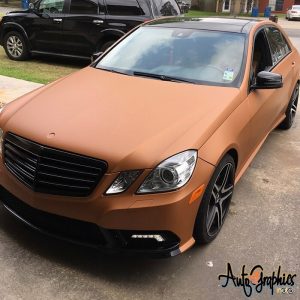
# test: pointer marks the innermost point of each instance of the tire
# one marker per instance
(291, 110)
(106, 45)
(215, 202)
(15, 46)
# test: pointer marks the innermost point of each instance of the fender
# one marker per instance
(19, 27)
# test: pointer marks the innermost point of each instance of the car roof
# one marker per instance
(217, 24)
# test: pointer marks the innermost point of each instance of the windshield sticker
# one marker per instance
(228, 74)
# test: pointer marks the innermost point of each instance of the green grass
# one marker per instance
(198, 13)
(16, 4)
(41, 70)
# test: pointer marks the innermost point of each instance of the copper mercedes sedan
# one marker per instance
(140, 151)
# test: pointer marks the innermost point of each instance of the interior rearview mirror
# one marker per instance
(267, 80)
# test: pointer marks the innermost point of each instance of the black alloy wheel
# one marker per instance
(215, 202)
(291, 110)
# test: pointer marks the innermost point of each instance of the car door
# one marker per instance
(45, 32)
(82, 26)
(266, 106)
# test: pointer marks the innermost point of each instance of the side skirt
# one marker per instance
(60, 54)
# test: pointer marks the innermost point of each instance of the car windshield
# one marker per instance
(296, 7)
(196, 56)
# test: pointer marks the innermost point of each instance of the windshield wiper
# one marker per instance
(114, 71)
(162, 77)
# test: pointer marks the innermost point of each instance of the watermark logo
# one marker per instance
(255, 281)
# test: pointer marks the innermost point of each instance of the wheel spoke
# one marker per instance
(225, 179)
(227, 193)
(211, 218)
(215, 191)
(294, 107)
(219, 214)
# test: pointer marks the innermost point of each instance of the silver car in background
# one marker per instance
(293, 12)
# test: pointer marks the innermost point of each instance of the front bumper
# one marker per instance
(88, 234)
(108, 222)
(295, 16)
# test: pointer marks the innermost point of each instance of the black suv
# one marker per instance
(76, 28)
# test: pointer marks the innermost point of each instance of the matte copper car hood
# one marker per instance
(131, 122)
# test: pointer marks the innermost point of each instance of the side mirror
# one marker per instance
(267, 80)
(36, 12)
(31, 6)
(95, 56)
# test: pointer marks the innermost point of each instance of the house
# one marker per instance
(277, 6)
(230, 6)
(243, 6)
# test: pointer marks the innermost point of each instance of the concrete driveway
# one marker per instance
(262, 228)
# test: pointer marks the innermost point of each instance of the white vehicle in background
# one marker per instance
(293, 12)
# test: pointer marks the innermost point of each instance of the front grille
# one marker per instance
(51, 171)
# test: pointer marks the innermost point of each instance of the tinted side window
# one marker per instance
(51, 6)
(167, 7)
(84, 7)
(144, 7)
(123, 8)
(261, 57)
(278, 44)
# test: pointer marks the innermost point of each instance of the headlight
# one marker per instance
(171, 174)
(123, 182)
(1, 140)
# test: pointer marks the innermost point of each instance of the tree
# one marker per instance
(219, 5)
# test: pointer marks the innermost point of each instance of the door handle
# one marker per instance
(57, 20)
(98, 22)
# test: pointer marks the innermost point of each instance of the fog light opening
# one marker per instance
(156, 237)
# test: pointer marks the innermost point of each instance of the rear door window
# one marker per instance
(166, 8)
(86, 7)
(124, 8)
(278, 44)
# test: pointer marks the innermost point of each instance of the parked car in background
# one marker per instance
(140, 151)
(76, 28)
(293, 12)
